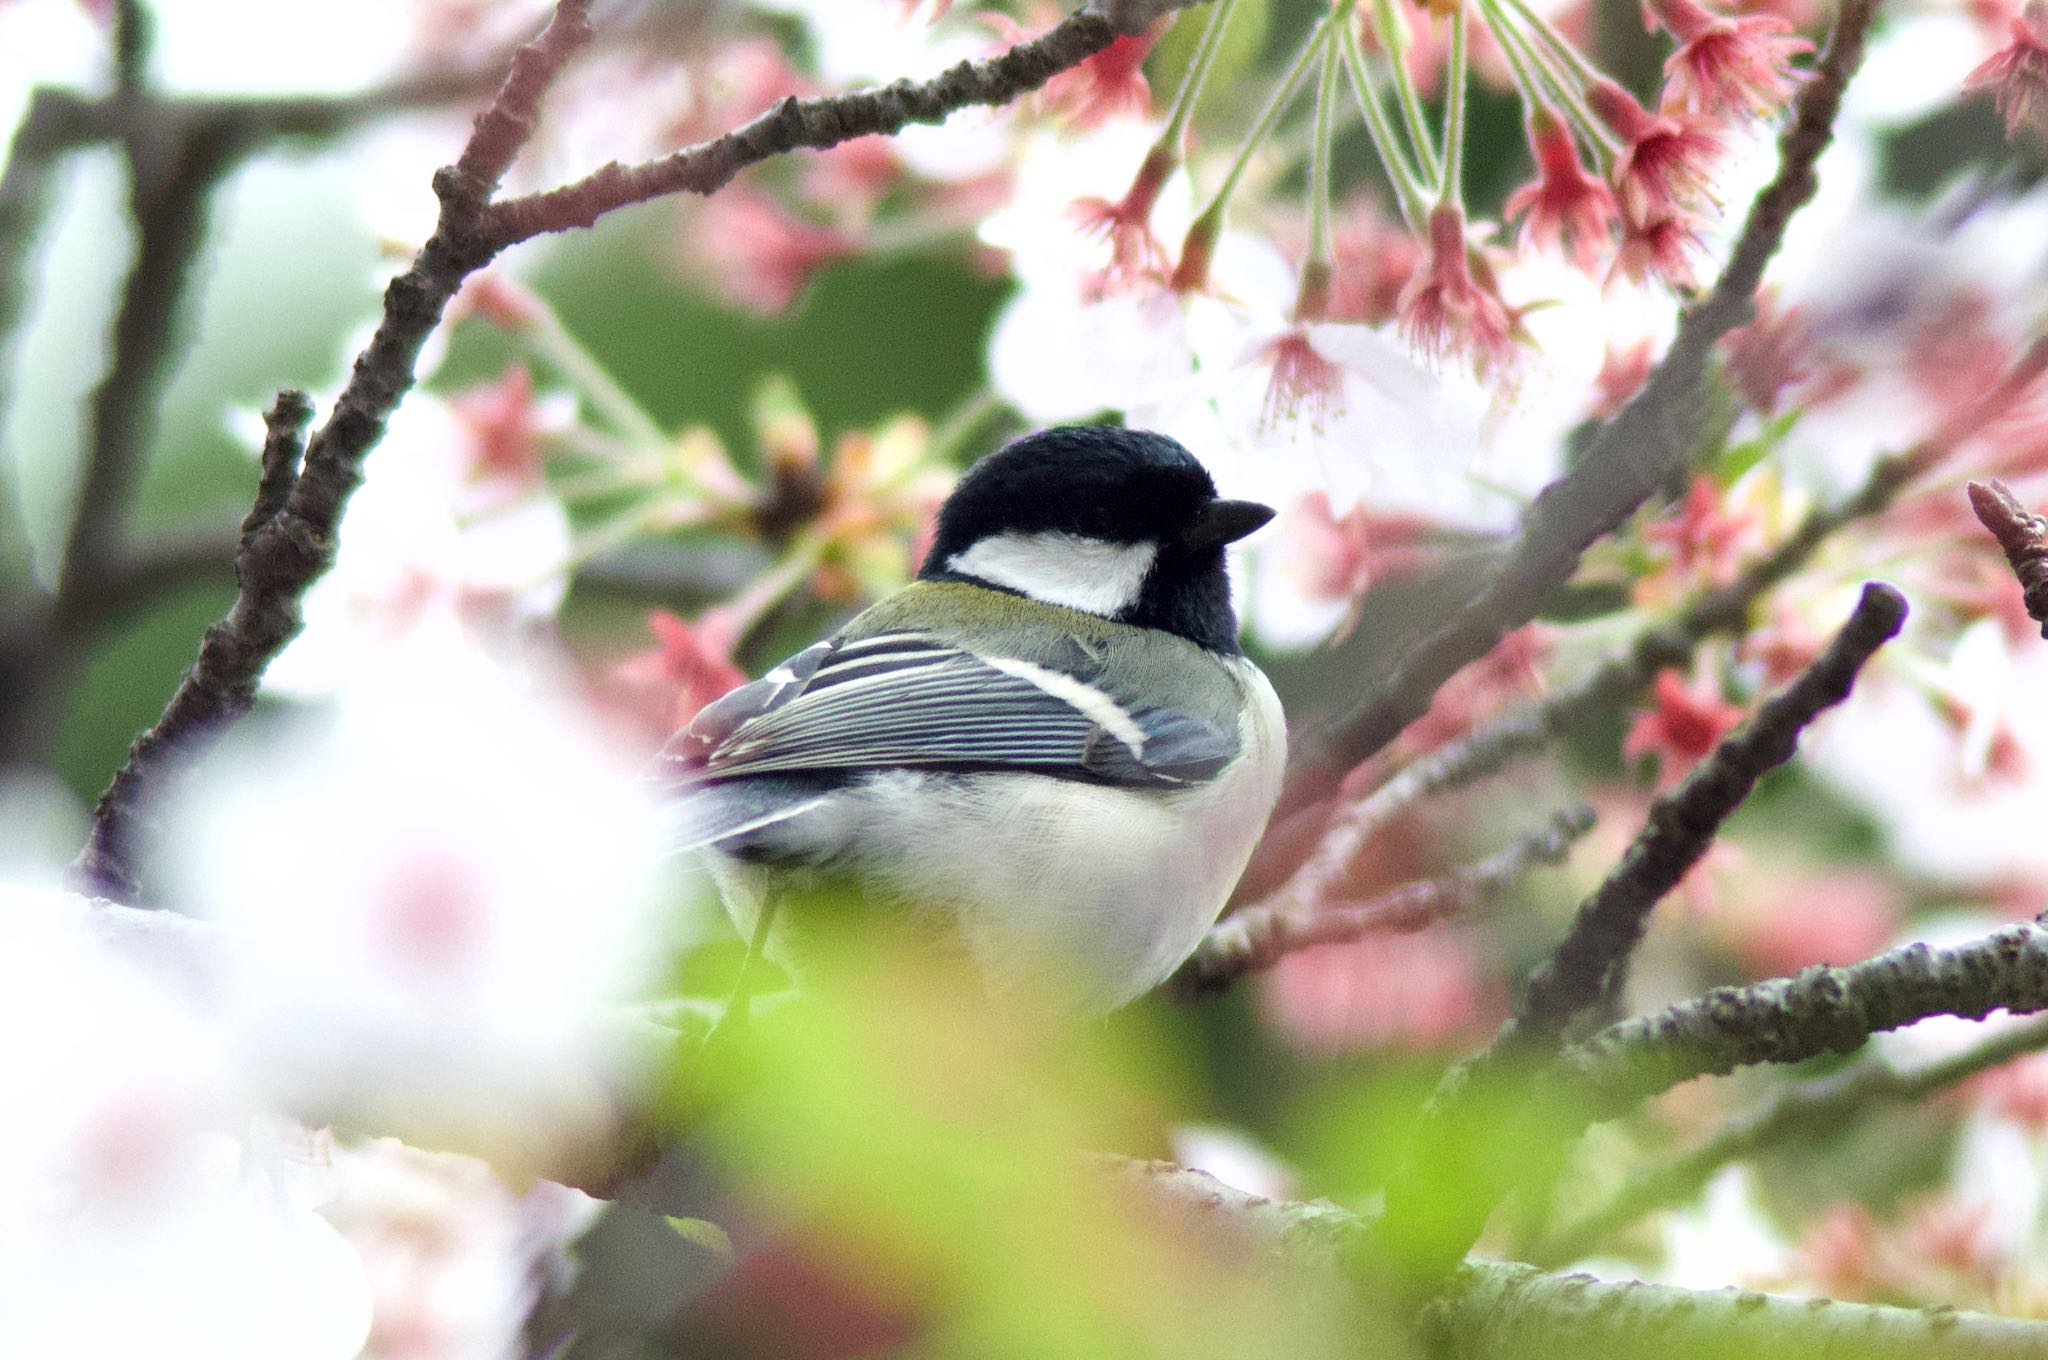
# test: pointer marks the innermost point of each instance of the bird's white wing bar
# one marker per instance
(908, 700)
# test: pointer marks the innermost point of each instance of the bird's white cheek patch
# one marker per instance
(1090, 574)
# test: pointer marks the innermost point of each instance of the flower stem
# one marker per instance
(1560, 46)
(1393, 34)
(1173, 138)
(1209, 222)
(1319, 160)
(550, 340)
(1411, 191)
(1451, 193)
(1540, 85)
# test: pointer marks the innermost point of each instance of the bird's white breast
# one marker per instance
(1105, 889)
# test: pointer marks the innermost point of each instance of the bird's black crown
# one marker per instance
(1117, 485)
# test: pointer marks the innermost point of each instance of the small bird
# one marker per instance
(1050, 742)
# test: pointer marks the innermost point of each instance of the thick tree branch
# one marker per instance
(1591, 960)
(2023, 536)
(1816, 1109)
(1256, 938)
(1630, 457)
(1494, 1310)
(1820, 1010)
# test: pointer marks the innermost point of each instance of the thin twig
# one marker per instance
(1812, 1110)
(2023, 536)
(1630, 457)
(1256, 938)
(1590, 961)
(822, 122)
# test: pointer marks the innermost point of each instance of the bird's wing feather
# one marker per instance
(912, 700)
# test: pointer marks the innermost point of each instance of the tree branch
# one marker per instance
(297, 544)
(1491, 745)
(1628, 459)
(1820, 1010)
(1256, 938)
(822, 122)
(1816, 1109)
(1494, 1310)
(2023, 536)
(1430, 1234)
(1591, 960)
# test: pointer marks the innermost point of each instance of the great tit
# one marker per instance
(1049, 746)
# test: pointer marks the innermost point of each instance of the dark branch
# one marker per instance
(284, 430)
(815, 123)
(1256, 938)
(2023, 536)
(1629, 458)
(1814, 1110)
(1591, 960)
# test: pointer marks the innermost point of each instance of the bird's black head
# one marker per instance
(1122, 523)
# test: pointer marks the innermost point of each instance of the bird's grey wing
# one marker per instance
(909, 700)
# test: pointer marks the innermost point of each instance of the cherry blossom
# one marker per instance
(152, 1207)
(453, 972)
(452, 532)
(1666, 162)
(1566, 207)
(1728, 63)
(1682, 725)
(2017, 75)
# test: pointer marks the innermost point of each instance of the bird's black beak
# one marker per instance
(1221, 522)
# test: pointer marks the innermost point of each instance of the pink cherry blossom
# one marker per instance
(1666, 159)
(2017, 75)
(1446, 308)
(1727, 64)
(1566, 206)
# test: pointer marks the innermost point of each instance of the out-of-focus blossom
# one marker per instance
(1704, 544)
(1769, 356)
(1110, 84)
(1233, 1157)
(1404, 991)
(760, 254)
(2017, 75)
(452, 532)
(688, 666)
(1682, 724)
(1623, 371)
(434, 898)
(1781, 924)
(150, 1210)
(1724, 1237)
(1932, 783)
(454, 1258)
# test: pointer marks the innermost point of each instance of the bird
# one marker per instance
(1049, 747)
